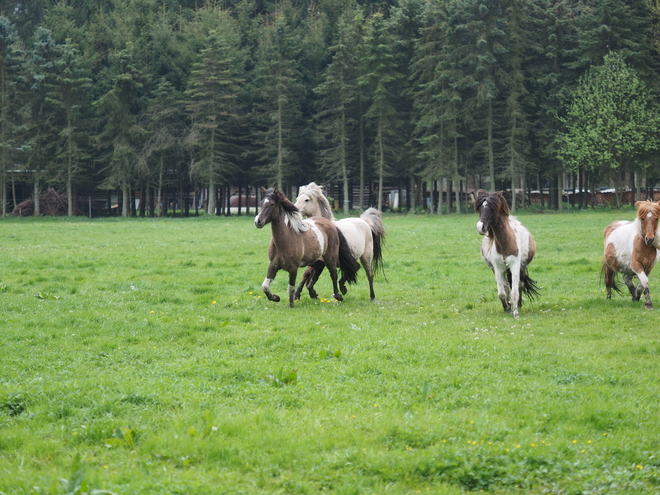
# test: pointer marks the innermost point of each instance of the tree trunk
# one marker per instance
(37, 194)
(491, 156)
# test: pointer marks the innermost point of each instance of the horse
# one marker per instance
(295, 242)
(630, 249)
(507, 248)
(365, 235)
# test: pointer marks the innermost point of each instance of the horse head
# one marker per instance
(275, 205)
(269, 210)
(492, 208)
(312, 202)
(648, 213)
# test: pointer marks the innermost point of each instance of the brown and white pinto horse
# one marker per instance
(630, 250)
(507, 249)
(365, 235)
(295, 243)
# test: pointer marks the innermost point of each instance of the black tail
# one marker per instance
(372, 217)
(347, 264)
(527, 285)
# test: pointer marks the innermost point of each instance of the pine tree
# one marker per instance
(121, 134)
(214, 88)
(166, 126)
(337, 97)
(280, 95)
(380, 80)
(69, 96)
(10, 61)
(39, 134)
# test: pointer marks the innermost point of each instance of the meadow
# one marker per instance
(140, 356)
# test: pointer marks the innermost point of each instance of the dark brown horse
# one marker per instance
(630, 250)
(507, 248)
(296, 243)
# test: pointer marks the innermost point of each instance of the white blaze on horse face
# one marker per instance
(319, 234)
(480, 224)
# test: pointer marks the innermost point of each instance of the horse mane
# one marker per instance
(313, 190)
(500, 199)
(646, 207)
(292, 216)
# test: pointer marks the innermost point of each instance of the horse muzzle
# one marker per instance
(481, 228)
(649, 241)
(258, 223)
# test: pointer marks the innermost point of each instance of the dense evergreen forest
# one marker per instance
(140, 96)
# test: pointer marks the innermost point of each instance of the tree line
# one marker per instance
(145, 95)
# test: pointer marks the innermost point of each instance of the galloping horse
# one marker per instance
(629, 249)
(507, 249)
(365, 235)
(295, 242)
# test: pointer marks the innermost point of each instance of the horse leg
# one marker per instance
(270, 276)
(644, 283)
(609, 280)
(503, 289)
(332, 268)
(366, 264)
(636, 292)
(317, 268)
(515, 289)
(292, 285)
(307, 276)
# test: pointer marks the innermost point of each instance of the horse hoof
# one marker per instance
(275, 298)
(296, 296)
(648, 307)
(313, 294)
(338, 297)
(343, 289)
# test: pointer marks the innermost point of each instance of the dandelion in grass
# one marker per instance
(214, 302)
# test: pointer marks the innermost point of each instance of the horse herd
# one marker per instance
(318, 242)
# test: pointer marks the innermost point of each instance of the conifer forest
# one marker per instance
(139, 97)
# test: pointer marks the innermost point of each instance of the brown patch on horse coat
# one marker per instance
(609, 257)
(643, 257)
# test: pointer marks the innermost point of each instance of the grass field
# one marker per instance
(140, 357)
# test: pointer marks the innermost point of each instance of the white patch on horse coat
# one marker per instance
(319, 234)
(484, 204)
(267, 282)
(623, 237)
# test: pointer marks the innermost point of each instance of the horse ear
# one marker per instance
(263, 190)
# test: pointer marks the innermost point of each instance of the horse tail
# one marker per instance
(529, 287)
(347, 264)
(372, 217)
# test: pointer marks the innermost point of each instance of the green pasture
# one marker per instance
(140, 357)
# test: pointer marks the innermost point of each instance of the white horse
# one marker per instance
(365, 235)
(507, 248)
(630, 248)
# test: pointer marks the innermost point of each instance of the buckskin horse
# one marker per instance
(507, 249)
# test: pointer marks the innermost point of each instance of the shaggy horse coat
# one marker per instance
(365, 235)
(630, 250)
(296, 243)
(507, 249)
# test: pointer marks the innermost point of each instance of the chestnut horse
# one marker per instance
(365, 235)
(630, 250)
(507, 248)
(295, 243)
